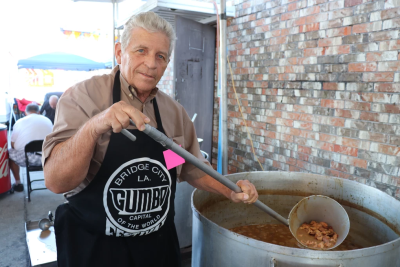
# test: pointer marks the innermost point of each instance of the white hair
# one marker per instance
(53, 97)
(151, 22)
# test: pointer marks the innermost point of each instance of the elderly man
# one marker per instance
(49, 108)
(120, 194)
(32, 127)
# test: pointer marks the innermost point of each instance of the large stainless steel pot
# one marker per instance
(374, 220)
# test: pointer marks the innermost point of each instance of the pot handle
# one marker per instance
(274, 263)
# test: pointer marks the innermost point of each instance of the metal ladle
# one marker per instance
(296, 211)
(45, 223)
(321, 209)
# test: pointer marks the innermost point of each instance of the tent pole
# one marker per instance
(224, 91)
(113, 34)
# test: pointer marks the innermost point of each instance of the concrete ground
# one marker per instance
(15, 210)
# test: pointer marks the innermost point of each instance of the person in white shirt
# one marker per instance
(32, 127)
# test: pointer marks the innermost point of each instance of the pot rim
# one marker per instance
(296, 252)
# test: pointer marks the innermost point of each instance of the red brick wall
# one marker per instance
(319, 82)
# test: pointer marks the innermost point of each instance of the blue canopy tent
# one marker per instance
(61, 61)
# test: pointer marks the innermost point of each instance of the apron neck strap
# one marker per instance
(117, 88)
(158, 117)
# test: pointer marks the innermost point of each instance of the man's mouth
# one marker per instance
(146, 75)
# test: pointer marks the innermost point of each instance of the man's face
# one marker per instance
(144, 60)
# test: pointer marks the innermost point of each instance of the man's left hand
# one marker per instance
(249, 194)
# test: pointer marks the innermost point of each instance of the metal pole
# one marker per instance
(224, 91)
(113, 34)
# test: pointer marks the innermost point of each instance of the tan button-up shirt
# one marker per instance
(86, 99)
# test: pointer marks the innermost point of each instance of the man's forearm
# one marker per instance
(69, 161)
(209, 184)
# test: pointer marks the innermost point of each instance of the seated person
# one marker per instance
(32, 127)
(20, 106)
(49, 108)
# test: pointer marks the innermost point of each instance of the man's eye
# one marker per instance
(141, 50)
(161, 57)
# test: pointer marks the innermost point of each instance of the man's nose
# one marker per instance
(150, 61)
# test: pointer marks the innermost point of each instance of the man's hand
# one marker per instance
(207, 183)
(116, 118)
(69, 161)
(249, 194)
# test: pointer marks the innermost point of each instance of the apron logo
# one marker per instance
(136, 198)
(127, 200)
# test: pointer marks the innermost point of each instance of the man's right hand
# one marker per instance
(69, 161)
(116, 118)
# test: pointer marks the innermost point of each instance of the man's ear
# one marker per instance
(118, 52)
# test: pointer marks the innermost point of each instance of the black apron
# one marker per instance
(125, 216)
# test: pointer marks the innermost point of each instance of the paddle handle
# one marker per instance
(168, 143)
(128, 134)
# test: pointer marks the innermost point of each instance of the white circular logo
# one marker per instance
(136, 198)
